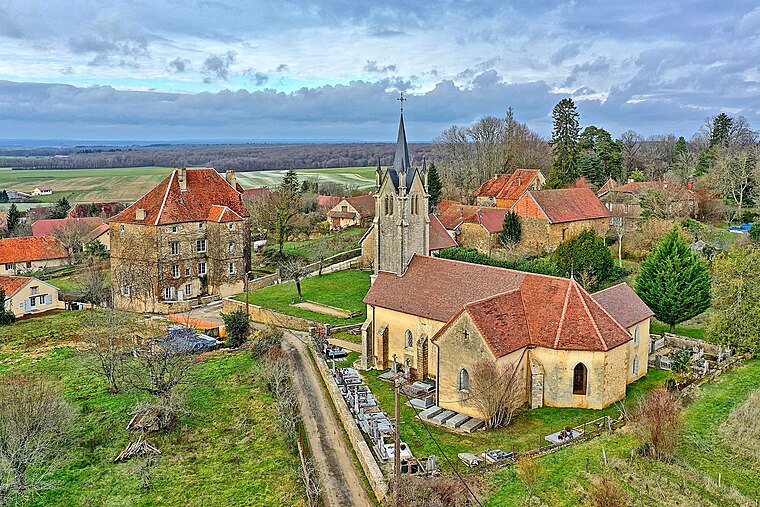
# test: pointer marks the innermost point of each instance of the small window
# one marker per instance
(168, 293)
(201, 268)
(627, 208)
(579, 379)
(231, 247)
(34, 290)
(230, 226)
(200, 225)
(635, 365)
(174, 228)
(175, 247)
(126, 290)
(9, 267)
(175, 271)
(409, 339)
(200, 245)
(188, 289)
(344, 208)
(636, 335)
(187, 271)
(231, 268)
(463, 384)
(121, 228)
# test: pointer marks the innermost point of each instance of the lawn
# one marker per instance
(691, 479)
(344, 289)
(328, 246)
(693, 328)
(226, 450)
(526, 432)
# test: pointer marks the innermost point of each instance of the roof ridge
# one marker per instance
(608, 314)
(588, 312)
(525, 316)
(610, 287)
(166, 196)
(562, 317)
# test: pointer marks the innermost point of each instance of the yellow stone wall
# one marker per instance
(640, 351)
(474, 236)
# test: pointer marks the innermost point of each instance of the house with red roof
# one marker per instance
(26, 295)
(472, 226)
(253, 194)
(187, 239)
(624, 201)
(101, 209)
(549, 217)
(51, 226)
(441, 319)
(31, 253)
(503, 190)
(352, 211)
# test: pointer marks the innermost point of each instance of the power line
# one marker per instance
(417, 416)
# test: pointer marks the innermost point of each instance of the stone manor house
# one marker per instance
(439, 318)
(187, 238)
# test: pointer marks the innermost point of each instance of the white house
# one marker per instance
(42, 191)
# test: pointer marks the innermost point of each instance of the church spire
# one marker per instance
(401, 158)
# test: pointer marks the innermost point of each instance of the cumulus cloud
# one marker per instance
(218, 66)
(258, 78)
(178, 65)
(373, 67)
(283, 67)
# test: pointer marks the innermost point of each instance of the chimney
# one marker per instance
(230, 177)
(140, 214)
(182, 178)
(690, 185)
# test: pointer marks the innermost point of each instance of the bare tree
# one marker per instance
(276, 215)
(73, 234)
(658, 422)
(105, 337)
(294, 268)
(530, 472)
(91, 282)
(159, 363)
(631, 145)
(734, 176)
(605, 493)
(657, 153)
(33, 422)
(496, 392)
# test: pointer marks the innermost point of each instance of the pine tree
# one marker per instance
(4, 196)
(564, 145)
(290, 184)
(14, 218)
(679, 149)
(720, 130)
(591, 167)
(61, 208)
(511, 229)
(434, 187)
(92, 210)
(674, 282)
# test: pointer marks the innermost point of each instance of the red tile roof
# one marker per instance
(256, 193)
(48, 227)
(623, 304)
(12, 284)
(510, 308)
(508, 186)
(453, 214)
(610, 184)
(31, 248)
(104, 208)
(569, 204)
(438, 236)
(639, 187)
(364, 204)
(166, 204)
(222, 214)
(328, 201)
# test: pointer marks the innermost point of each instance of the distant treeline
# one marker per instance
(240, 157)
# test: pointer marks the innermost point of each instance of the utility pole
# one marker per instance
(396, 442)
(247, 308)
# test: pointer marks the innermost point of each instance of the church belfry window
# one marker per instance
(463, 383)
(580, 374)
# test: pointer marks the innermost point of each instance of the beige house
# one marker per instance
(472, 226)
(102, 234)
(440, 318)
(31, 253)
(27, 295)
(351, 211)
(187, 238)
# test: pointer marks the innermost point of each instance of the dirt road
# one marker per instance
(341, 481)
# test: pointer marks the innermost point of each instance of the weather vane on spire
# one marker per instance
(402, 99)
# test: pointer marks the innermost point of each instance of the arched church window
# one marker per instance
(390, 200)
(409, 339)
(635, 365)
(580, 374)
(464, 380)
(636, 335)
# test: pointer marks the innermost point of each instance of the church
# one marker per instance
(437, 318)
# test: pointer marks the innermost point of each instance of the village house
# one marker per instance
(28, 295)
(352, 211)
(472, 226)
(253, 194)
(186, 238)
(549, 217)
(28, 254)
(51, 226)
(100, 209)
(624, 201)
(504, 190)
(42, 191)
(439, 318)
(101, 234)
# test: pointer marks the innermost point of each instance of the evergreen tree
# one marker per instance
(6, 316)
(564, 145)
(638, 175)
(14, 218)
(610, 152)
(585, 257)
(720, 130)
(673, 281)
(61, 208)
(92, 210)
(237, 326)
(4, 196)
(679, 149)
(511, 229)
(290, 184)
(434, 187)
(592, 169)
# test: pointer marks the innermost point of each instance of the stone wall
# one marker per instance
(474, 236)
(269, 317)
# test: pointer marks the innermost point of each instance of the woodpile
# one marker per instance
(139, 448)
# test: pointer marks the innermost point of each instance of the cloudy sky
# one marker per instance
(221, 69)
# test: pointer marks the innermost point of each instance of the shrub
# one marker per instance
(263, 341)
(237, 327)
(754, 232)
(6, 316)
(587, 256)
(605, 493)
(658, 423)
(541, 265)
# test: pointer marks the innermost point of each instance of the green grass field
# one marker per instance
(362, 178)
(691, 479)
(329, 245)
(227, 450)
(527, 431)
(344, 289)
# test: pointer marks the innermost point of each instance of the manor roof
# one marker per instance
(31, 248)
(206, 192)
(48, 226)
(437, 234)
(453, 214)
(510, 308)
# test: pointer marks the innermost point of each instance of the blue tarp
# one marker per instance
(743, 228)
(185, 339)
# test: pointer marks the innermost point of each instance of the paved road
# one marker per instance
(341, 481)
